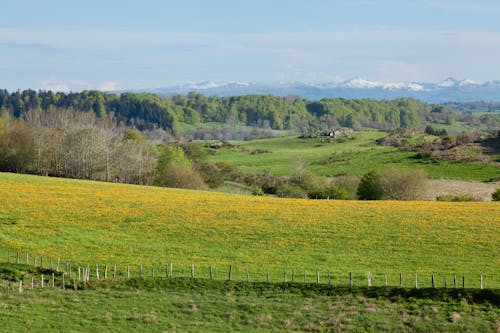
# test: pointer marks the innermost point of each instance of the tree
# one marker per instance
(134, 159)
(369, 187)
(175, 170)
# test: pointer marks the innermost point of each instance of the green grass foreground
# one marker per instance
(193, 305)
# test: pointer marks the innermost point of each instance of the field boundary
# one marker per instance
(19, 267)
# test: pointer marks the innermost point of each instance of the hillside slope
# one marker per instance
(101, 223)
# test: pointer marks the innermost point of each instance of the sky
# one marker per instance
(121, 44)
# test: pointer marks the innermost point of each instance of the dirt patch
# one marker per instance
(479, 191)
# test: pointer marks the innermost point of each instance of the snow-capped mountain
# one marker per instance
(448, 90)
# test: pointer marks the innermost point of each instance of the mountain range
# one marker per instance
(448, 90)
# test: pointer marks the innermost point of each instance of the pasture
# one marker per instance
(87, 222)
(351, 156)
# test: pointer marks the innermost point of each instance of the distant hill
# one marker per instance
(448, 90)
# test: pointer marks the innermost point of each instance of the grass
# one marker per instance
(187, 305)
(355, 156)
(101, 223)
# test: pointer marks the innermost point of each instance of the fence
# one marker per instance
(42, 272)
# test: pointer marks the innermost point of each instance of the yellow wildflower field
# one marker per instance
(89, 222)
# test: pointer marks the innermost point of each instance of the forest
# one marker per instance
(144, 111)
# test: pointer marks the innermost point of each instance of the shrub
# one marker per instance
(496, 195)
(257, 191)
(338, 193)
(291, 191)
(178, 175)
(349, 184)
(369, 187)
(399, 184)
(455, 198)
(392, 184)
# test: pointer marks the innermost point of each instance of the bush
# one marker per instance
(338, 193)
(178, 175)
(455, 198)
(496, 195)
(369, 187)
(349, 184)
(257, 191)
(392, 184)
(403, 184)
(291, 191)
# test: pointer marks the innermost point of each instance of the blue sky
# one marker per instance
(110, 44)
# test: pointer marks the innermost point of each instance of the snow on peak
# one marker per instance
(468, 82)
(447, 83)
(361, 83)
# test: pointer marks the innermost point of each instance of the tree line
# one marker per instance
(144, 111)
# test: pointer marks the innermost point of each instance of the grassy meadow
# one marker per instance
(87, 222)
(352, 156)
(185, 305)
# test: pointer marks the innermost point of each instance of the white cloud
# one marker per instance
(108, 86)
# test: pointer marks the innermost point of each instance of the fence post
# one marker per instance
(63, 284)
(58, 262)
(192, 271)
(53, 280)
(293, 275)
(97, 272)
(481, 281)
(230, 272)
(171, 269)
(284, 276)
(268, 277)
(211, 273)
(41, 261)
(17, 258)
(114, 271)
(20, 286)
(400, 279)
(27, 258)
(454, 281)
(153, 271)
(317, 277)
(432, 281)
(105, 272)
(350, 279)
(463, 281)
(32, 283)
(42, 281)
(369, 279)
(128, 272)
(385, 279)
(34, 261)
(140, 271)
(329, 278)
(416, 281)
(304, 276)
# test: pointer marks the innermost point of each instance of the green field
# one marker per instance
(354, 156)
(89, 223)
(185, 305)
